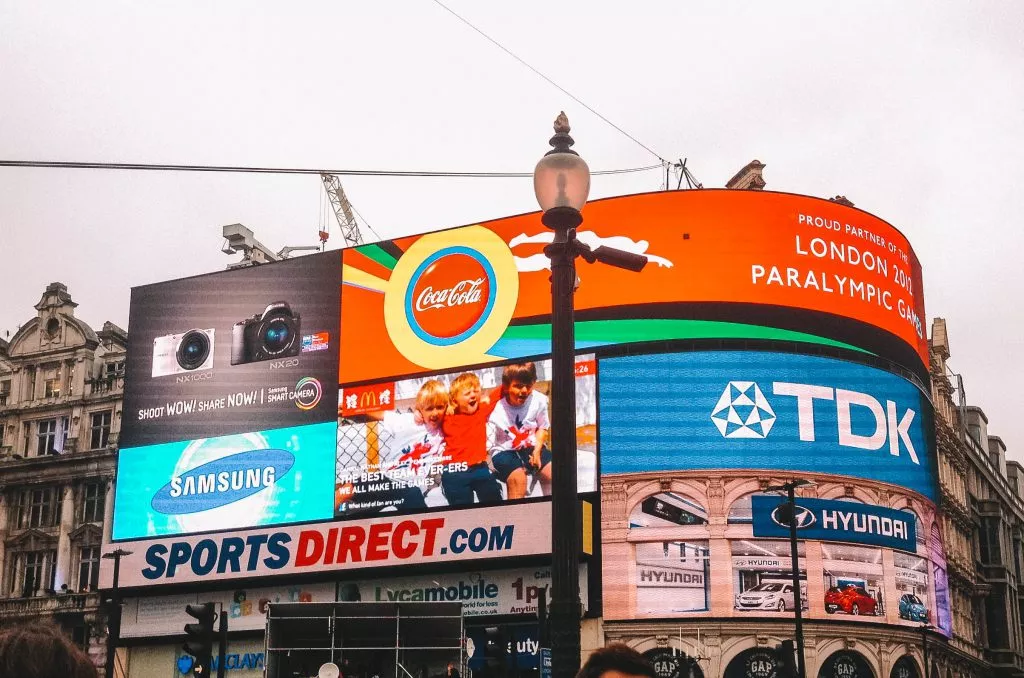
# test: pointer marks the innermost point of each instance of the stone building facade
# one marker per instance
(982, 522)
(60, 412)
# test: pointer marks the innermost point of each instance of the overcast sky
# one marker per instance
(914, 112)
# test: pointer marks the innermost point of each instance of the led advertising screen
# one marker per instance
(235, 481)
(210, 355)
(400, 450)
(692, 442)
(722, 264)
(365, 544)
(764, 410)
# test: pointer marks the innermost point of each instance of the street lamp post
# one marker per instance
(114, 612)
(794, 553)
(925, 628)
(561, 182)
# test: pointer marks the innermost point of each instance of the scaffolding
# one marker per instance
(365, 640)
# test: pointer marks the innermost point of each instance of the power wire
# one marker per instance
(294, 170)
(552, 82)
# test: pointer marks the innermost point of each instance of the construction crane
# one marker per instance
(342, 210)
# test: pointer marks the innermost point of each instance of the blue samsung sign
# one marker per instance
(763, 410)
(829, 520)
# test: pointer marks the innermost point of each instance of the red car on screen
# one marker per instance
(850, 600)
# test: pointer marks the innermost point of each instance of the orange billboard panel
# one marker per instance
(721, 264)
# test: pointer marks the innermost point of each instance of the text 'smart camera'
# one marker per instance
(266, 336)
(186, 352)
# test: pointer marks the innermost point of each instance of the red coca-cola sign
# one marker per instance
(450, 296)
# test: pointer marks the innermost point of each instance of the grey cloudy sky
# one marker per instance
(913, 110)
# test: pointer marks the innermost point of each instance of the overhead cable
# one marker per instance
(295, 170)
(552, 82)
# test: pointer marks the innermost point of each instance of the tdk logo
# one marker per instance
(222, 481)
(744, 412)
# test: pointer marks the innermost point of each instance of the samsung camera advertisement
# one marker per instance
(210, 355)
(457, 439)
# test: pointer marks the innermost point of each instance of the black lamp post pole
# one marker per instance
(798, 602)
(924, 648)
(565, 519)
(114, 613)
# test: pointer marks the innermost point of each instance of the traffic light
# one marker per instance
(199, 638)
(785, 652)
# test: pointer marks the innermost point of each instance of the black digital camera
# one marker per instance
(269, 335)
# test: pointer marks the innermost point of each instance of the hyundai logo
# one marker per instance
(803, 516)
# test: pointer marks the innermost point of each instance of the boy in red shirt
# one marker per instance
(465, 439)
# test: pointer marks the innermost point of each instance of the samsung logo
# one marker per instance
(223, 481)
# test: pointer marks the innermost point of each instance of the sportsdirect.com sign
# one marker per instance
(829, 520)
(508, 531)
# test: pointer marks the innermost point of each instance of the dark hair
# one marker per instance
(524, 373)
(40, 650)
(616, 657)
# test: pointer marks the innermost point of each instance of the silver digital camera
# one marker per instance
(186, 352)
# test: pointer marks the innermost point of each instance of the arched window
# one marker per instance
(667, 509)
(741, 511)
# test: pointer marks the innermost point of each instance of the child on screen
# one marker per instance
(465, 439)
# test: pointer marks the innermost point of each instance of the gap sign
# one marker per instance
(829, 520)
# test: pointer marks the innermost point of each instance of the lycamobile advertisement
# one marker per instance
(442, 537)
(481, 593)
(764, 410)
(234, 481)
(210, 355)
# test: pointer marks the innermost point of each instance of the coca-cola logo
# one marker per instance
(450, 295)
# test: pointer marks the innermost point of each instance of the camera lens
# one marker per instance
(193, 350)
(277, 335)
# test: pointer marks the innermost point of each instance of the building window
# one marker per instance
(51, 436)
(51, 387)
(32, 572)
(5, 391)
(99, 430)
(93, 499)
(89, 568)
(30, 383)
(80, 635)
(37, 508)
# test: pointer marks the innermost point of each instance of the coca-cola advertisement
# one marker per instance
(471, 437)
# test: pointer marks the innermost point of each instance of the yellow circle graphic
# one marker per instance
(472, 349)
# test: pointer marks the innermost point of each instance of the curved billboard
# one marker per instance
(691, 444)
(722, 264)
(764, 410)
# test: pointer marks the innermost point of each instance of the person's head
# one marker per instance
(517, 382)
(432, 402)
(616, 661)
(465, 393)
(39, 650)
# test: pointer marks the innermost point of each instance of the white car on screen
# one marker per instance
(766, 596)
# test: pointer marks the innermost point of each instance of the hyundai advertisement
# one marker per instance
(764, 410)
(209, 356)
(830, 520)
(236, 481)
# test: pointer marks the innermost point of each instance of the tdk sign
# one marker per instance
(830, 520)
(222, 481)
(763, 410)
(744, 412)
